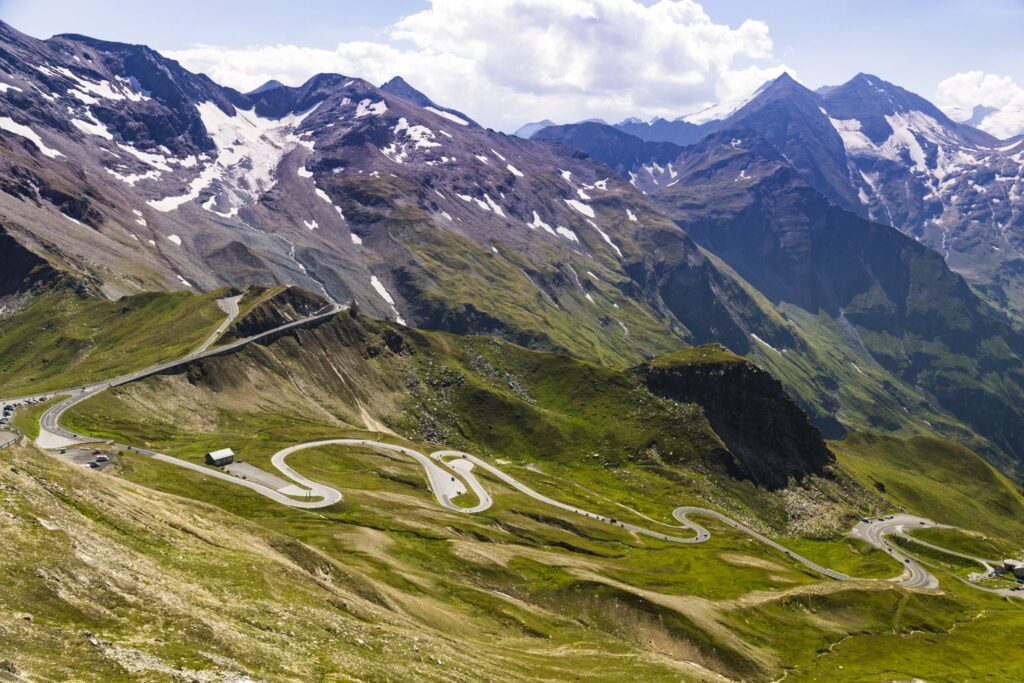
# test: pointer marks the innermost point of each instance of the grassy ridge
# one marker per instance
(973, 544)
(575, 431)
(61, 339)
(936, 479)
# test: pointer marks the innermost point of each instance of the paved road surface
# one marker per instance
(987, 564)
(681, 513)
(230, 306)
(451, 474)
(874, 533)
(52, 435)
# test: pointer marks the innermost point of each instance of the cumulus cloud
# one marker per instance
(998, 99)
(508, 61)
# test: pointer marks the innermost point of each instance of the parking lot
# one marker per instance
(84, 456)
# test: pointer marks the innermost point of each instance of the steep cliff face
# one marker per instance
(24, 272)
(764, 429)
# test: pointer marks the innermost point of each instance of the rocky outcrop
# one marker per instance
(749, 410)
(22, 269)
(273, 308)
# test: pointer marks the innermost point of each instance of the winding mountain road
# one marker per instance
(451, 474)
(230, 306)
(52, 435)
(874, 533)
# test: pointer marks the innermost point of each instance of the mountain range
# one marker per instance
(769, 234)
(881, 152)
(790, 317)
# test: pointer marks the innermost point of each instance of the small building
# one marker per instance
(1015, 567)
(224, 456)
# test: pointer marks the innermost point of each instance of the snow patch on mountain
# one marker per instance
(853, 139)
(605, 237)
(132, 178)
(567, 233)
(419, 136)
(582, 208)
(8, 124)
(447, 115)
(157, 161)
(102, 89)
(903, 137)
(370, 108)
(384, 294)
(538, 223)
(92, 128)
(249, 150)
(211, 206)
(493, 205)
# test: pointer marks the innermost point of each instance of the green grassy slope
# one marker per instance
(936, 479)
(481, 394)
(104, 580)
(61, 339)
(523, 577)
(975, 544)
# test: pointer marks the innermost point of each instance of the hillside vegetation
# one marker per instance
(62, 339)
(521, 573)
(584, 421)
(936, 479)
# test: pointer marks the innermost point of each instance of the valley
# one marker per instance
(349, 474)
(329, 380)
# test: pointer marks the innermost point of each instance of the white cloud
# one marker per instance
(959, 94)
(508, 61)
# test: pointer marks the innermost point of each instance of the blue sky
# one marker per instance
(914, 43)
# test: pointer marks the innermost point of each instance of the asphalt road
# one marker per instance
(986, 563)
(230, 306)
(681, 513)
(874, 532)
(52, 435)
(451, 473)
